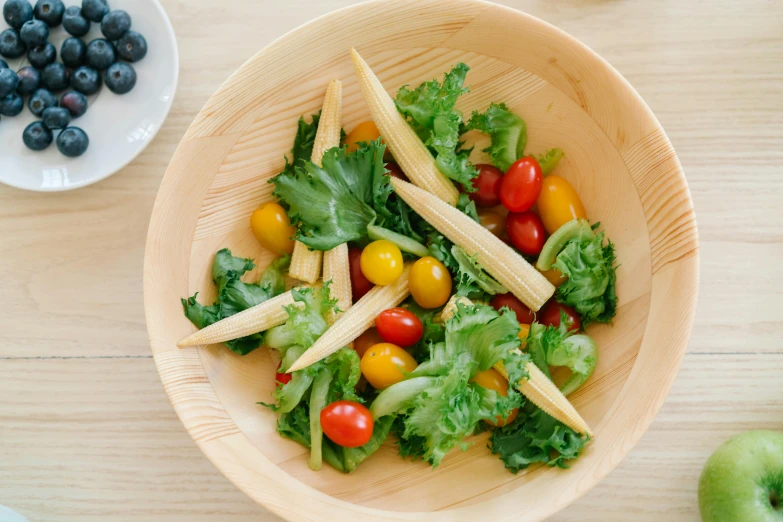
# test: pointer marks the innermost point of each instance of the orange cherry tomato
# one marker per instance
(382, 365)
(362, 133)
(381, 262)
(367, 340)
(272, 228)
(492, 380)
(559, 203)
(430, 283)
(493, 221)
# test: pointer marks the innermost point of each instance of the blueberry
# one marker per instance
(120, 78)
(11, 105)
(75, 102)
(36, 136)
(86, 80)
(42, 55)
(73, 142)
(34, 32)
(50, 11)
(100, 54)
(11, 45)
(132, 46)
(74, 22)
(95, 10)
(56, 118)
(72, 52)
(40, 101)
(115, 24)
(56, 77)
(29, 80)
(17, 12)
(3, 64)
(9, 81)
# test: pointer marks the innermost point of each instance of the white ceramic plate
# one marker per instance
(119, 127)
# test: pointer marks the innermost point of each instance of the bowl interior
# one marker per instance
(569, 99)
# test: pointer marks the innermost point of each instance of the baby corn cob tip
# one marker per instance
(356, 321)
(305, 263)
(412, 155)
(501, 261)
(259, 318)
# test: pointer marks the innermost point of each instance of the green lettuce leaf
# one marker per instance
(305, 324)
(304, 140)
(590, 268)
(534, 437)
(557, 346)
(472, 281)
(234, 295)
(550, 159)
(507, 131)
(430, 110)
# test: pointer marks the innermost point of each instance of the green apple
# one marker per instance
(743, 480)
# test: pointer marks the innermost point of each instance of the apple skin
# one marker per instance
(740, 479)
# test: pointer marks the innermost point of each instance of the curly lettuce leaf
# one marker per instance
(306, 323)
(331, 204)
(234, 295)
(304, 140)
(590, 268)
(557, 346)
(507, 131)
(430, 110)
(534, 437)
(550, 159)
(472, 281)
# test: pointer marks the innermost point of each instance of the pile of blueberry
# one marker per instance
(82, 66)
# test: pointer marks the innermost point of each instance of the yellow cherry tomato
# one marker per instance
(430, 283)
(492, 380)
(364, 132)
(493, 221)
(554, 276)
(558, 203)
(381, 262)
(272, 228)
(383, 365)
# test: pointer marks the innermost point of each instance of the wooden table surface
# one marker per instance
(86, 431)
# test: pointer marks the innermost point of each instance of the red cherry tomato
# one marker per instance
(487, 185)
(282, 378)
(524, 314)
(550, 315)
(396, 172)
(360, 285)
(521, 185)
(347, 423)
(526, 231)
(399, 326)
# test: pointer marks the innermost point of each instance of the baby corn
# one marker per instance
(337, 270)
(259, 318)
(537, 388)
(409, 151)
(356, 321)
(306, 263)
(509, 268)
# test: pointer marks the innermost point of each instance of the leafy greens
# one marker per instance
(234, 295)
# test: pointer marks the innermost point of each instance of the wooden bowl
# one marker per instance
(617, 157)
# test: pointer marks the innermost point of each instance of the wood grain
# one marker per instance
(71, 266)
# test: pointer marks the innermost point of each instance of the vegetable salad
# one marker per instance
(440, 294)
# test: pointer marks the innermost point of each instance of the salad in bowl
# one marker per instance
(432, 298)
